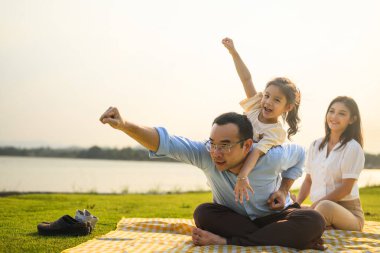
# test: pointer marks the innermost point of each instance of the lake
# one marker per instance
(32, 174)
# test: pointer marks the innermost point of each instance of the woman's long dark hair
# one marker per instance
(353, 131)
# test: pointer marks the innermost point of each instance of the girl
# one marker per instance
(333, 166)
(280, 98)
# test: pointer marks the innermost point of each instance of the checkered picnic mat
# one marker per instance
(145, 235)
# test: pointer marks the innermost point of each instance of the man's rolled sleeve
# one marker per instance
(163, 148)
(293, 161)
(181, 149)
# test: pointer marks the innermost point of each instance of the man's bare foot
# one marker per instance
(202, 238)
(317, 244)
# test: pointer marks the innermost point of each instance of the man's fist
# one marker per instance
(113, 118)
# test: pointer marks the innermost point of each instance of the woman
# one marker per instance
(333, 166)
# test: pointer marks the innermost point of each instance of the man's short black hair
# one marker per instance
(242, 122)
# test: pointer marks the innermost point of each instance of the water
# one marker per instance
(102, 176)
(31, 174)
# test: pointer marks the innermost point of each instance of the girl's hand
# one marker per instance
(241, 189)
(229, 44)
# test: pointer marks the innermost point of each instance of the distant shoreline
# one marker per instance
(94, 152)
(138, 155)
(15, 193)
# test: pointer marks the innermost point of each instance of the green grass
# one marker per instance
(20, 214)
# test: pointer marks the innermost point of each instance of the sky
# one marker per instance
(63, 63)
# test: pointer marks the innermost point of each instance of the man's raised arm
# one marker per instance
(146, 136)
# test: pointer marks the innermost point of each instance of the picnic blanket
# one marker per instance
(145, 235)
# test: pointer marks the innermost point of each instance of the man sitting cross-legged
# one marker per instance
(269, 217)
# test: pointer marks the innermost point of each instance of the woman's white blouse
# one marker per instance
(327, 172)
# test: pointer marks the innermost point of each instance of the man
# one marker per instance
(269, 217)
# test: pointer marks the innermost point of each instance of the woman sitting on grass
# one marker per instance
(333, 166)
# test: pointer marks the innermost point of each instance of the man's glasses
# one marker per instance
(224, 148)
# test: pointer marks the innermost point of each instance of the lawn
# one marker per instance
(20, 214)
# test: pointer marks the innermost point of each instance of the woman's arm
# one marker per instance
(242, 70)
(305, 189)
(339, 192)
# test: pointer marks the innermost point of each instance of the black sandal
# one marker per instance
(66, 225)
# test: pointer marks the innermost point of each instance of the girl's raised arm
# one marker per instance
(242, 70)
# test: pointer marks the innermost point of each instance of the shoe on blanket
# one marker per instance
(66, 225)
(86, 216)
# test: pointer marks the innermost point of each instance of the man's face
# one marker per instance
(228, 136)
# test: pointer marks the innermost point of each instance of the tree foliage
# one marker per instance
(94, 152)
(135, 154)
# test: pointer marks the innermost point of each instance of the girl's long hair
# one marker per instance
(293, 97)
(353, 131)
